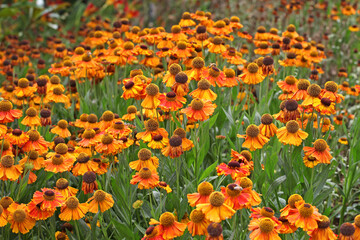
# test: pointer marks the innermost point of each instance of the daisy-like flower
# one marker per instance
(312, 98)
(9, 171)
(291, 134)
(45, 117)
(83, 165)
(264, 228)
(152, 129)
(181, 85)
(17, 137)
(7, 114)
(7, 148)
(19, 218)
(108, 145)
(100, 201)
(146, 160)
(57, 96)
(202, 195)
(310, 161)
(323, 231)
(246, 185)
(198, 223)
(198, 67)
(357, 226)
(320, 151)
(171, 102)
(330, 91)
(48, 199)
(73, 210)
(131, 113)
(31, 119)
(158, 142)
(81, 122)
(169, 78)
(325, 106)
(174, 148)
(61, 129)
(301, 93)
(305, 217)
(203, 91)
(252, 75)
(234, 197)
(107, 121)
(36, 142)
(216, 45)
(289, 84)
(151, 101)
(133, 89)
(199, 110)
(58, 163)
(89, 138)
(347, 231)
(286, 227)
(145, 178)
(186, 144)
(214, 232)
(62, 186)
(234, 168)
(216, 210)
(23, 89)
(168, 226)
(253, 138)
(267, 127)
(89, 184)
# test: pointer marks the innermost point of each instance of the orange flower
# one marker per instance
(108, 119)
(19, 218)
(146, 178)
(320, 151)
(17, 137)
(267, 127)
(23, 89)
(264, 228)
(323, 232)
(9, 171)
(158, 142)
(234, 168)
(61, 129)
(83, 165)
(131, 113)
(3, 217)
(312, 98)
(168, 226)
(253, 138)
(108, 145)
(89, 184)
(134, 89)
(48, 199)
(145, 161)
(57, 96)
(252, 75)
(197, 70)
(73, 210)
(330, 91)
(7, 114)
(100, 201)
(302, 87)
(181, 85)
(31, 119)
(202, 196)
(216, 210)
(203, 91)
(152, 129)
(58, 163)
(357, 226)
(171, 102)
(325, 106)
(89, 138)
(291, 134)
(216, 45)
(347, 231)
(62, 186)
(151, 100)
(305, 217)
(199, 110)
(37, 213)
(289, 84)
(214, 232)
(198, 223)
(174, 148)
(234, 197)
(247, 184)
(186, 144)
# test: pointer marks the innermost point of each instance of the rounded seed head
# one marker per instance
(216, 199)
(266, 225)
(175, 141)
(175, 69)
(324, 222)
(151, 125)
(252, 130)
(198, 63)
(347, 229)
(205, 188)
(314, 90)
(167, 219)
(253, 68)
(291, 105)
(303, 84)
(197, 104)
(196, 216)
(214, 230)
(144, 154)
(266, 119)
(292, 126)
